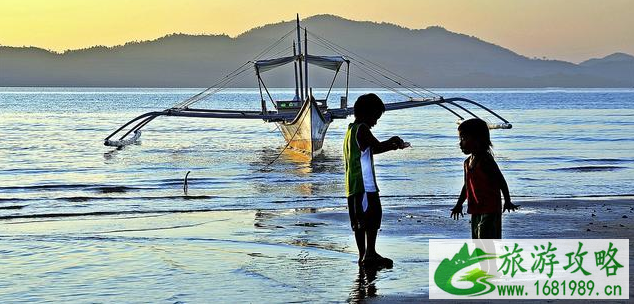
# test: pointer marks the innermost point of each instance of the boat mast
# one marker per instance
(299, 46)
(306, 61)
(347, 83)
(262, 101)
(296, 84)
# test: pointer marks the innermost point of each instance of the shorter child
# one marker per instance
(483, 182)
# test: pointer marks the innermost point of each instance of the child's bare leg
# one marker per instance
(370, 251)
(372, 258)
(359, 236)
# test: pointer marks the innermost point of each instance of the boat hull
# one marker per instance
(306, 132)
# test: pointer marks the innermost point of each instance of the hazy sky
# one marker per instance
(572, 30)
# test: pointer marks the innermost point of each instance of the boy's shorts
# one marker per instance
(368, 219)
(486, 226)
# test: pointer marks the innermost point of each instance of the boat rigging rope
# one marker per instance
(216, 87)
(365, 65)
(369, 70)
(362, 60)
(337, 48)
(377, 81)
(220, 83)
(364, 68)
(288, 144)
(258, 56)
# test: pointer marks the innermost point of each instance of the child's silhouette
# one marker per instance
(483, 182)
(364, 205)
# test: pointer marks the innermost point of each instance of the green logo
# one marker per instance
(448, 268)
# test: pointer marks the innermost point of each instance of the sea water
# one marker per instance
(565, 143)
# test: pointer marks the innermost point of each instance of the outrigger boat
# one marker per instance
(304, 120)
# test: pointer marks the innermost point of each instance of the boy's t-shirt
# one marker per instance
(359, 165)
(483, 191)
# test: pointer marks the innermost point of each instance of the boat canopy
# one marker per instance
(326, 62)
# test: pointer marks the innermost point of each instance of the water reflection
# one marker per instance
(363, 286)
(111, 154)
(294, 173)
(327, 163)
(296, 162)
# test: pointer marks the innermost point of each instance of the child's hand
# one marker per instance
(399, 143)
(395, 142)
(456, 212)
(510, 207)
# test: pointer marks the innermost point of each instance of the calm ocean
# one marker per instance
(564, 143)
(139, 242)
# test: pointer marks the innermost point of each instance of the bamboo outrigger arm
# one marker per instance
(412, 103)
(141, 121)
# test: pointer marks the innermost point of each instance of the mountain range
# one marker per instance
(431, 57)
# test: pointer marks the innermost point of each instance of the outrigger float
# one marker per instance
(304, 120)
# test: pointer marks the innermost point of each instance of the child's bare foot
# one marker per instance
(377, 261)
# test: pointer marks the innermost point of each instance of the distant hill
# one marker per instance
(432, 57)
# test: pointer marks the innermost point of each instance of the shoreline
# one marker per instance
(302, 254)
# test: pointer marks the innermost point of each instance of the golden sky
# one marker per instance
(572, 30)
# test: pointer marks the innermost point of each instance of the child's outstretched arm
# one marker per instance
(507, 197)
(497, 173)
(505, 192)
(456, 211)
(366, 139)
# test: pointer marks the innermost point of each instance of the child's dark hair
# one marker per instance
(368, 106)
(478, 130)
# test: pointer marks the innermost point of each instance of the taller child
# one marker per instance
(364, 205)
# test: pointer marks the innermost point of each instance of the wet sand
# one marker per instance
(262, 255)
(404, 229)
(586, 218)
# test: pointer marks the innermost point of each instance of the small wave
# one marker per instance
(447, 159)
(439, 136)
(309, 224)
(589, 169)
(89, 187)
(44, 187)
(144, 198)
(76, 199)
(13, 200)
(159, 228)
(101, 213)
(568, 159)
(254, 274)
(602, 160)
(26, 171)
(419, 196)
(596, 139)
(397, 179)
(113, 189)
(12, 207)
(601, 195)
(179, 181)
